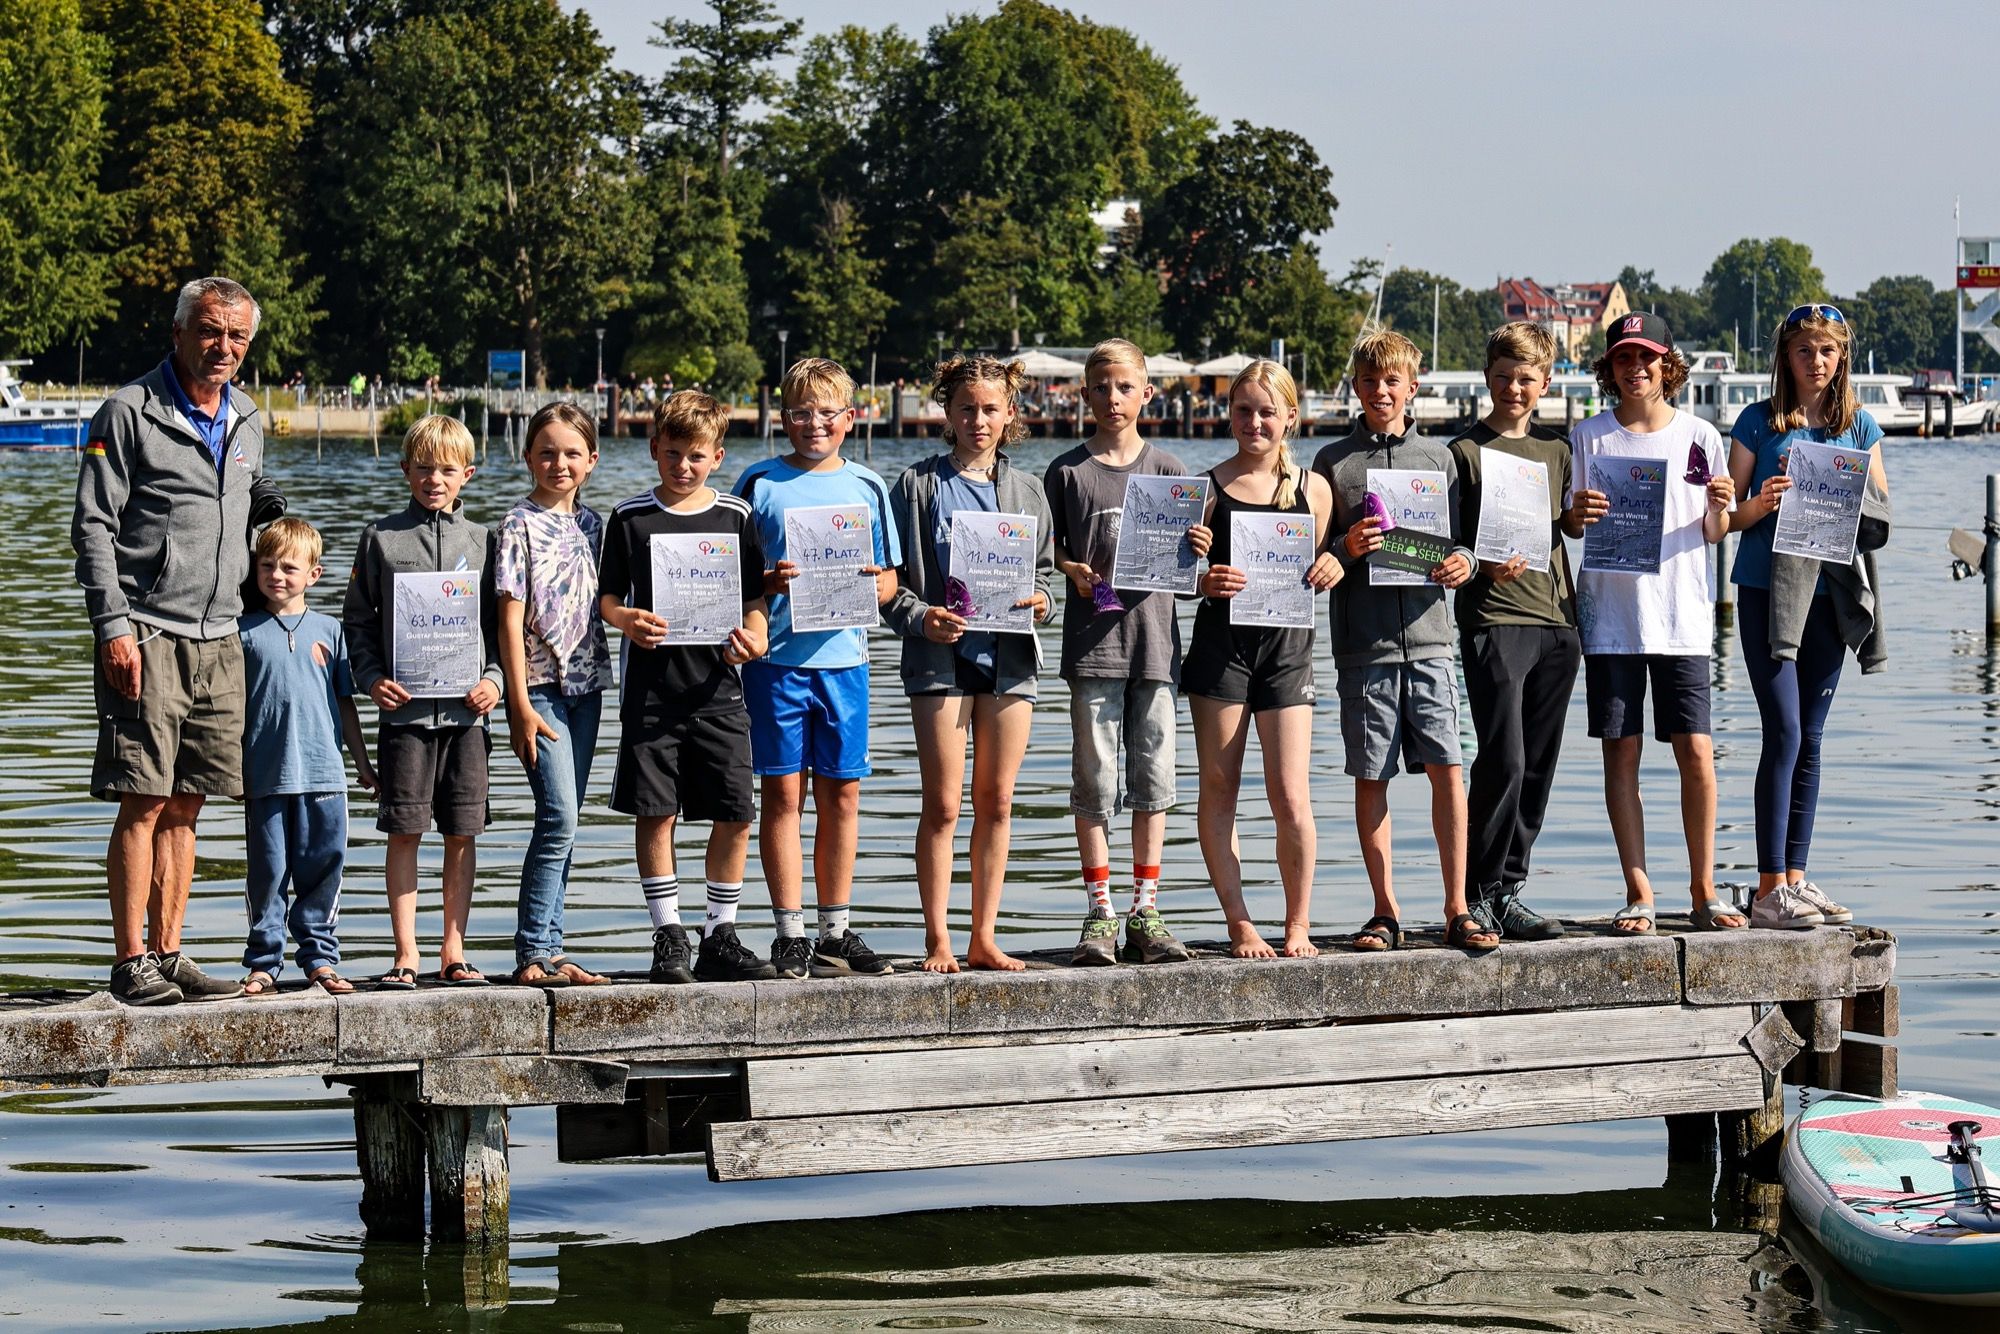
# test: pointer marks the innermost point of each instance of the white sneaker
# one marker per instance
(1832, 913)
(1784, 909)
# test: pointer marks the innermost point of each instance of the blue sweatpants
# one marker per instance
(1793, 700)
(297, 846)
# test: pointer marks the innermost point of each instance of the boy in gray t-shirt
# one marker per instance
(1121, 655)
(299, 707)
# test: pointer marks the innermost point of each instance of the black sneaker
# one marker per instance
(1520, 922)
(791, 956)
(844, 954)
(137, 981)
(671, 955)
(194, 984)
(724, 958)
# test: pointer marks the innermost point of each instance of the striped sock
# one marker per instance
(1145, 887)
(1097, 889)
(832, 920)
(791, 923)
(722, 901)
(663, 898)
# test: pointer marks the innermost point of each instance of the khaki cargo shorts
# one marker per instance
(184, 733)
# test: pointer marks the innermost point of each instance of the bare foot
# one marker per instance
(1634, 926)
(940, 960)
(1298, 945)
(991, 956)
(1245, 943)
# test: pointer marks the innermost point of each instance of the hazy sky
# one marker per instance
(1564, 139)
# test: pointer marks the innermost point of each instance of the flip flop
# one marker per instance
(549, 980)
(577, 974)
(461, 974)
(1636, 912)
(1384, 929)
(1460, 928)
(329, 980)
(259, 983)
(397, 979)
(1703, 916)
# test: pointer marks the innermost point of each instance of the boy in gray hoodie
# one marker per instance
(1395, 509)
(431, 756)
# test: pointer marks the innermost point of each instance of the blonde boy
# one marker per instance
(808, 699)
(1517, 642)
(432, 748)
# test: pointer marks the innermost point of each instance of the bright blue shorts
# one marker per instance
(807, 718)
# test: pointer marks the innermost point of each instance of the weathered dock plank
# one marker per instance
(97, 1035)
(1261, 1058)
(617, 1017)
(972, 1136)
(464, 1021)
(1726, 967)
(519, 1081)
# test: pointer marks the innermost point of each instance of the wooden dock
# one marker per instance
(775, 1079)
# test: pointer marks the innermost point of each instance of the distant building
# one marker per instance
(1113, 221)
(1571, 312)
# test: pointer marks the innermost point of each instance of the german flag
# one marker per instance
(95, 447)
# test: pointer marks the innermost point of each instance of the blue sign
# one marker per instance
(504, 370)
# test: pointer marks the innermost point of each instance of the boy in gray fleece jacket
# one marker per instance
(431, 756)
(1392, 635)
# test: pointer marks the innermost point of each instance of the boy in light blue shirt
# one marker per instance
(299, 707)
(808, 699)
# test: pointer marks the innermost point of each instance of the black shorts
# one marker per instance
(967, 678)
(1614, 687)
(432, 772)
(1262, 666)
(694, 768)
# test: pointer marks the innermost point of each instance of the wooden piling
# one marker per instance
(468, 1174)
(389, 1145)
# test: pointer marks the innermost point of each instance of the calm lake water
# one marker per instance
(233, 1206)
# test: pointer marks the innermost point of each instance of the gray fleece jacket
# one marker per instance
(416, 541)
(912, 500)
(1392, 623)
(161, 534)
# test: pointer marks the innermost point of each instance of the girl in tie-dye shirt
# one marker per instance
(557, 665)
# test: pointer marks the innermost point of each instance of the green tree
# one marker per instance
(56, 226)
(1465, 316)
(726, 67)
(1232, 225)
(1897, 320)
(1686, 312)
(203, 129)
(837, 306)
(1315, 315)
(483, 173)
(1752, 284)
(692, 318)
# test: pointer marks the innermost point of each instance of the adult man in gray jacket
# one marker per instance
(164, 504)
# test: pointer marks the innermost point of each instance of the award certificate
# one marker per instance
(1626, 540)
(1415, 502)
(992, 568)
(1513, 509)
(1153, 551)
(1819, 517)
(1274, 552)
(831, 545)
(697, 586)
(437, 653)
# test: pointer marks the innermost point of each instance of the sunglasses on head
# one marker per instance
(1815, 310)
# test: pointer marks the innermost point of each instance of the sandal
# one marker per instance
(397, 979)
(575, 972)
(546, 977)
(1643, 913)
(1378, 934)
(1459, 933)
(259, 983)
(461, 974)
(329, 980)
(1703, 916)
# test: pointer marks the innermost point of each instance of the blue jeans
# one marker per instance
(296, 843)
(558, 778)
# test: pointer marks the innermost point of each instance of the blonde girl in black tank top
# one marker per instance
(1234, 674)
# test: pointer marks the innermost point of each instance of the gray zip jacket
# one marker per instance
(1391, 623)
(161, 534)
(912, 500)
(416, 541)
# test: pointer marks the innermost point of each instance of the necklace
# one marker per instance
(291, 631)
(963, 466)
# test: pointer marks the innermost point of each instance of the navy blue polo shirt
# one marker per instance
(213, 430)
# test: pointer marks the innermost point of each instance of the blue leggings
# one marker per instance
(1793, 698)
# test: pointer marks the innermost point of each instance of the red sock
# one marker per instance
(1145, 887)
(1097, 885)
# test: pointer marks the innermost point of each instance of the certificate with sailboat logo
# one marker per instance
(1626, 540)
(1819, 517)
(1416, 537)
(1513, 509)
(1273, 551)
(992, 569)
(437, 652)
(1153, 551)
(697, 585)
(831, 545)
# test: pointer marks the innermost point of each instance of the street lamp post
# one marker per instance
(603, 404)
(784, 335)
(939, 335)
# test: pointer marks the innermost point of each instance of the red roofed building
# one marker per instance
(1569, 311)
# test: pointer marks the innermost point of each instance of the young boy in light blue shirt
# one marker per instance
(299, 707)
(808, 699)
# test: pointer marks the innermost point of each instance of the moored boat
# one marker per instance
(46, 423)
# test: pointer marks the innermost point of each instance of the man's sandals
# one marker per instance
(1466, 932)
(1378, 934)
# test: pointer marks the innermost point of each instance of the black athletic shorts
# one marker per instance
(695, 768)
(1614, 687)
(432, 773)
(1262, 666)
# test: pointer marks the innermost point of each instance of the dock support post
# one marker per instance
(1691, 1138)
(1725, 592)
(389, 1148)
(468, 1176)
(1990, 567)
(1750, 1144)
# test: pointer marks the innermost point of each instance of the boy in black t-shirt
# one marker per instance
(684, 747)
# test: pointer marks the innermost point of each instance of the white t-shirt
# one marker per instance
(1672, 612)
